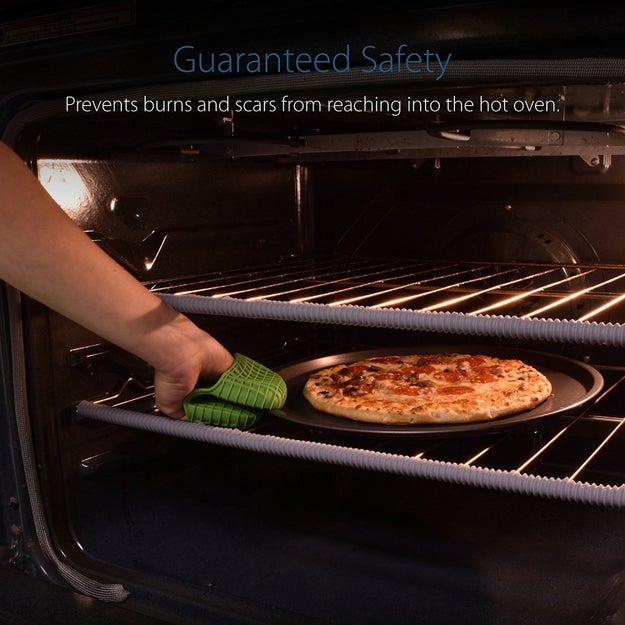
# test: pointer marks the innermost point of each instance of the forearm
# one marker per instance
(44, 254)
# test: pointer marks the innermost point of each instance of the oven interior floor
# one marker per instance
(323, 544)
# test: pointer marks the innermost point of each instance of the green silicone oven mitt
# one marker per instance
(245, 387)
(201, 408)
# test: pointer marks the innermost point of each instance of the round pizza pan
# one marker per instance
(574, 383)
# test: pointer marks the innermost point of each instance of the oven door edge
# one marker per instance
(30, 546)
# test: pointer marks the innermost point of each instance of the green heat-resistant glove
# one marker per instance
(235, 400)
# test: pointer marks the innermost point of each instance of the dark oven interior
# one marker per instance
(468, 227)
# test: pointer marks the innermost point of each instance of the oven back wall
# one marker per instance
(524, 209)
(179, 218)
(190, 217)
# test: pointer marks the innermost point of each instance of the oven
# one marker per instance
(302, 233)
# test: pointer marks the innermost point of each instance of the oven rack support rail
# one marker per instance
(565, 489)
(497, 326)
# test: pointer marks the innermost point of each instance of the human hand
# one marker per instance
(182, 355)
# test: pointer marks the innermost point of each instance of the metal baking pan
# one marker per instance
(574, 383)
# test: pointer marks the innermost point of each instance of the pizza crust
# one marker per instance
(427, 389)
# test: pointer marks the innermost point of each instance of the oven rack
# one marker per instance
(575, 457)
(554, 302)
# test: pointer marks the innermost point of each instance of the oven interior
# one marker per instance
(479, 223)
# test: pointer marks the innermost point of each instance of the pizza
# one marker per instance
(427, 388)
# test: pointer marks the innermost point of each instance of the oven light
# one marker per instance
(64, 183)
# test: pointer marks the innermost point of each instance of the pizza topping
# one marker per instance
(455, 390)
(427, 388)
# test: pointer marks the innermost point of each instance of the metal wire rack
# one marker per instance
(578, 292)
(573, 457)
(580, 452)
